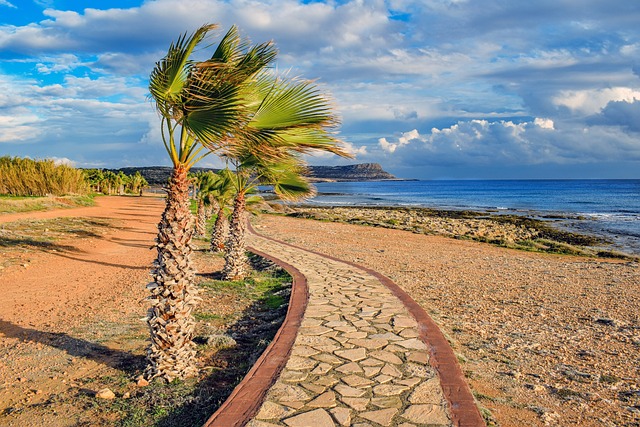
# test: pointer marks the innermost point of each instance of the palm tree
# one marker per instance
(199, 103)
(137, 183)
(287, 118)
(288, 184)
(218, 192)
(202, 184)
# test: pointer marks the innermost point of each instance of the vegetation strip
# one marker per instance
(246, 398)
(463, 409)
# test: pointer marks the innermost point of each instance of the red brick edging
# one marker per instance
(246, 398)
(462, 406)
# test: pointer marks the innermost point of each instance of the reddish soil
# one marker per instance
(99, 279)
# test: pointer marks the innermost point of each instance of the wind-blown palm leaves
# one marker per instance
(220, 191)
(251, 171)
(199, 103)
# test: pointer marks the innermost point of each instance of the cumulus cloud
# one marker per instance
(6, 3)
(591, 101)
(507, 143)
(624, 114)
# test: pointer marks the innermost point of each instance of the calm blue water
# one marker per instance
(610, 208)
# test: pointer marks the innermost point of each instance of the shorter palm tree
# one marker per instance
(220, 193)
(288, 184)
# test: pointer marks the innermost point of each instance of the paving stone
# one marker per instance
(342, 416)
(429, 391)
(317, 418)
(322, 368)
(334, 323)
(391, 371)
(387, 336)
(386, 356)
(273, 411)
(325, 400)
(303, 351)
(349, 368)
(311, 322)
(358, 334)
(315, 330)
(413, 343)
(382, 379)
(361, 323)
(404, 322)
(357, 403)
(298, 363)
(370, 371)
(387, 402)
(418, 357)
(383, 416)
(371, 344)
(327, 358)
(389, 389)
(409, 382)
(293, 376)
(356, 381)
(287, 393)
(426, 414)
(348, 391)
(372, 362)
(314, 388)
(326, 380)
(354, 355)
(393, 348)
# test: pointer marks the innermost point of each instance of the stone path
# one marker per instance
(357, 359)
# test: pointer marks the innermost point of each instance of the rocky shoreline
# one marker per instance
(512, 231)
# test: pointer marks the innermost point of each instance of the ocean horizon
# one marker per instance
(607, 208)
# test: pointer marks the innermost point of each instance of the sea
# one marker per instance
(609, 209)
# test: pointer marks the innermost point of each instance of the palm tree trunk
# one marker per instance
(173, 297)
(235, 267)
(220, 232)
(201, 219)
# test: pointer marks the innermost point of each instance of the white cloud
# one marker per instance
(544, 123)
(6, 3)
(591, 101)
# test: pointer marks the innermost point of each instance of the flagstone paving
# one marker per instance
(357, 359)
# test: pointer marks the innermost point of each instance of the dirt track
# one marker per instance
(99, 279)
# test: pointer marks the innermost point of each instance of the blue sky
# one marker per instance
(430, 89)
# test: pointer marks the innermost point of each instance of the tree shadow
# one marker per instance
(76, 347)
(252, 332)
(8, 242)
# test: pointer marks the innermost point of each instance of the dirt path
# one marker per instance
(97, 279)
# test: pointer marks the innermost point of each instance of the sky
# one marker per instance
(430, 89)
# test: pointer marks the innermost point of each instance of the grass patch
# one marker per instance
(249, 311)
(14, 204)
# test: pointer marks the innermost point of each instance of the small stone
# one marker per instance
(317, 418)
(404, 322)
(357, 403)
(429, 391)
(325, 400)
(426, 414)
(298, 363)
(273, 411)
(127, 395)
(418, 357)
(142, 382)
(106, 394)
(386, 356)
(349, 368)
(370, 371)
(389, 389)
(412, 344)
(371, 362)
(348, 391)
(293, 376)
(387, 402)
(382, 379)
(342, 416)
(356, 381)
(382, 416)
(321, 369)
(391, 371)
(353, 355)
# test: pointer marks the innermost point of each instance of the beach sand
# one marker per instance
(543, 339)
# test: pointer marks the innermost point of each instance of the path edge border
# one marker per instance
(247, 397)
(462, 405)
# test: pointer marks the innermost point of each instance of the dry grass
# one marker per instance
(26, 177)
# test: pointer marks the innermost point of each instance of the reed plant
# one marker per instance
(27, 177)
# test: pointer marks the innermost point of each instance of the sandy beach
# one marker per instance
(543, 339)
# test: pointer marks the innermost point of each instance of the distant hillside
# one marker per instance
(159, 175)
